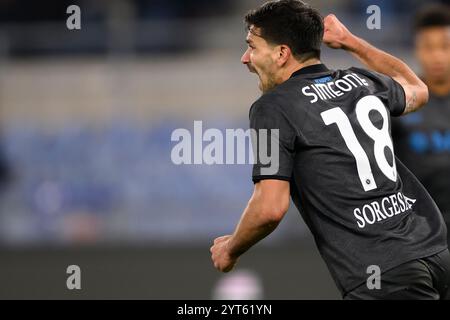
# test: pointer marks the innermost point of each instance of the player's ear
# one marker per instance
(284, 53)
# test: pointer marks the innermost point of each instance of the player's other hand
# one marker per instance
(220, 254)
(335, 33)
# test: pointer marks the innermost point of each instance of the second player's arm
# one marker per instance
(338, 36)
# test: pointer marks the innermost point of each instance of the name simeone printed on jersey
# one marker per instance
(333, 89)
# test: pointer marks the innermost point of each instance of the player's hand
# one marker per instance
(335, 34)
(220, 254)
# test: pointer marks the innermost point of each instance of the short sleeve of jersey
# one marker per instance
(273, 141)
(389, 89)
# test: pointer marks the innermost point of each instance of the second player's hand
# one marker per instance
(336, 35)
(220, 254)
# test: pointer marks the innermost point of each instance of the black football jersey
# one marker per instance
(422, 143)
(329, 135)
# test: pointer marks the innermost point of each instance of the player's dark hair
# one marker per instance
(292, 23)
(437, 15)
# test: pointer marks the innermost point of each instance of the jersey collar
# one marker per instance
(315, 68)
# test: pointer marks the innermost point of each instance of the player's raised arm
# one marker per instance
(337, 36)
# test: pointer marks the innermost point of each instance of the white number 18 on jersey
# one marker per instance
(381, 138)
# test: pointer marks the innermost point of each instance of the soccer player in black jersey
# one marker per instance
(422, 139)
(331, 132)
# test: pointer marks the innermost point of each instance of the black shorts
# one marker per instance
(422, 279)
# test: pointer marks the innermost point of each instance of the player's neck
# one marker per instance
(295, 66)
(438, 88)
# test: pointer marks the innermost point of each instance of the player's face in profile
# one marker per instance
(433, 52)
(259, 58)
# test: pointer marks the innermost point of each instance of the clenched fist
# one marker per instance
(220, 254)
(336, 35)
